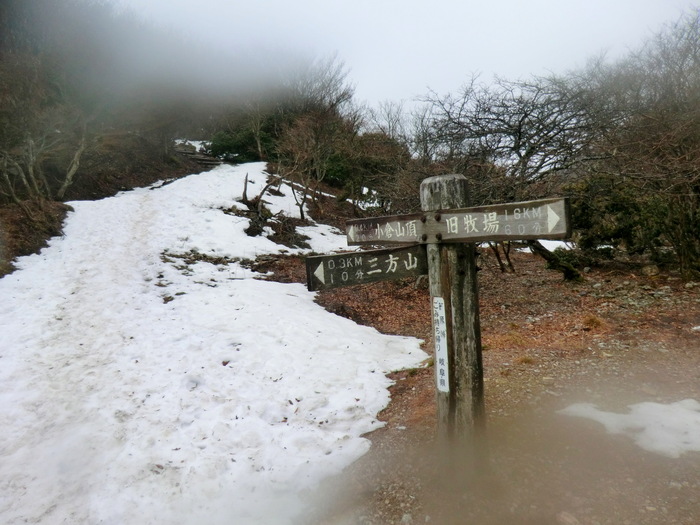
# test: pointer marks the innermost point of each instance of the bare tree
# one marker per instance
(390, 119)
(648, 141)
(528, 129)
(296, 149)
(41, 127)
(513, 140)
(424, 141)
(323, 122)
(320, 86)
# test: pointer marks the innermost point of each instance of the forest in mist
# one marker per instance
(621, 138)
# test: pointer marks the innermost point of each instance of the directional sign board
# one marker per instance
(399, 229)
(539, 219)
(345, 269)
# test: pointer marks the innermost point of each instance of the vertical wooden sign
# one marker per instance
(453, 289)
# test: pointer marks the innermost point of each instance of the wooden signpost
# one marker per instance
(441, 242)
(369, 266)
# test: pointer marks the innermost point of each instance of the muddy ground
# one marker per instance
(619, 338)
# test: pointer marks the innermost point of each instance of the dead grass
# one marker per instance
(592, 322)
(512, 340)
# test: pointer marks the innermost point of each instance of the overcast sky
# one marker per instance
(399, 49)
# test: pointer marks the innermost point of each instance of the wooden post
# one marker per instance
(453, 289)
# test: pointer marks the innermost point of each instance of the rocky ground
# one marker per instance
(619, 338)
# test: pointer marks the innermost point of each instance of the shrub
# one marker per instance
(238, 147)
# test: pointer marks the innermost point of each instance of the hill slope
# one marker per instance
(148, 376)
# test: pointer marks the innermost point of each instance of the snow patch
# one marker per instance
(137, 386)
(670, 430)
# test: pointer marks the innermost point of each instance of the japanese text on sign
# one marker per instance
(398, 230)
(331, 271)
(518, 221)
(539, 219)
(440, 334)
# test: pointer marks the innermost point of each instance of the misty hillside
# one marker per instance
(93, 99)
(152, 370)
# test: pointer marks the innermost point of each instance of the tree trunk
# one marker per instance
(555, 263)
(72, 168)
(506, 252)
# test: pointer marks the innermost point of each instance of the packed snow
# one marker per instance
(141, 387)
(670, 430)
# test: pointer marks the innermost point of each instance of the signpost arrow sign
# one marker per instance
(538, 219)
(552, 218)
(541, 219)
(345, 269)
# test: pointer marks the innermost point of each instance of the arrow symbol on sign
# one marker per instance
(552, 218)
(351, 233)
(320, 274)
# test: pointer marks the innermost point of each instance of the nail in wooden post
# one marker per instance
(453, 291)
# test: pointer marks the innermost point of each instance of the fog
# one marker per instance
(540, 466)
(398, 50)
(111, 54)
(393, 50)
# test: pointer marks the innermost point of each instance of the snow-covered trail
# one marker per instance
(141, 389)
(66, 309)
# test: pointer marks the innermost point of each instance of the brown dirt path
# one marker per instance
(617, 339)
